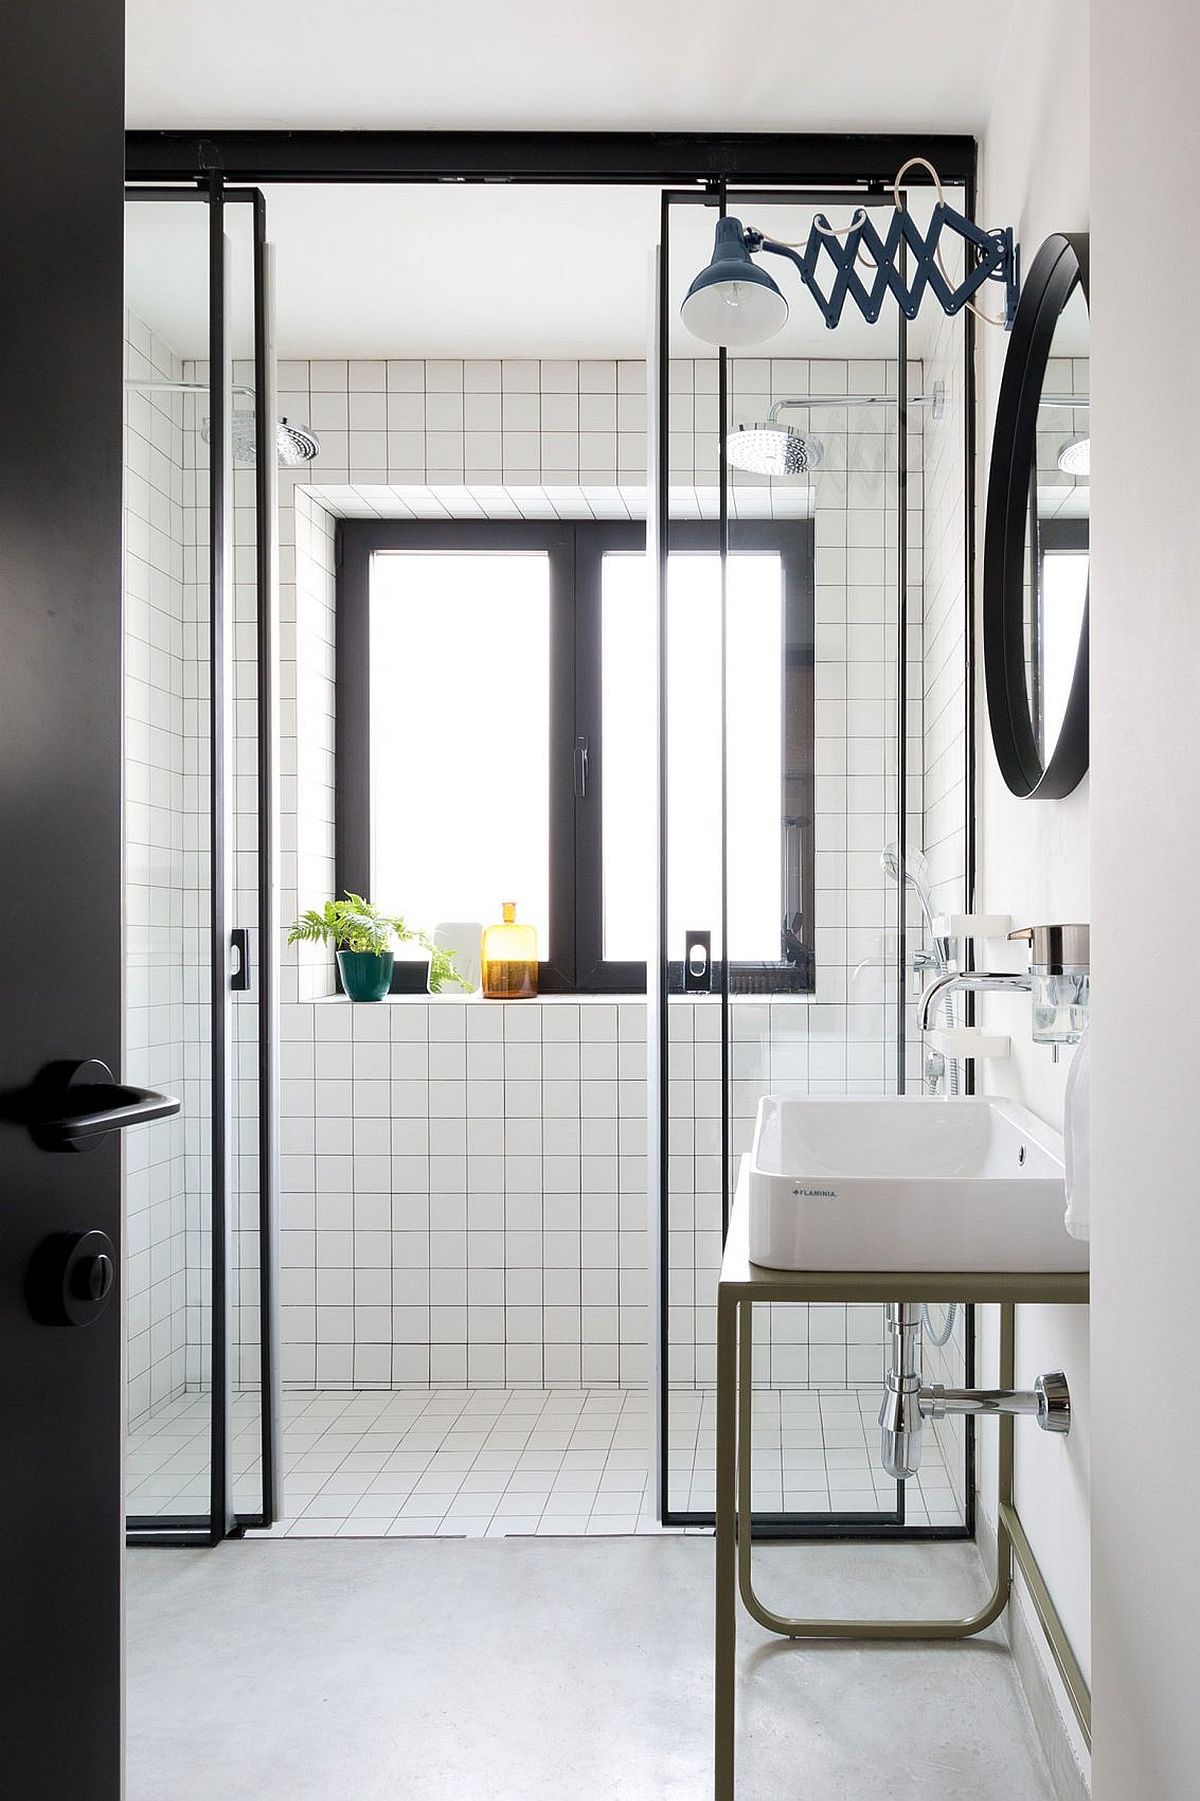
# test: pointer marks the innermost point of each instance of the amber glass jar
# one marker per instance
(510, 959)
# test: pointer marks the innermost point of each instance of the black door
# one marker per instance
(61, 1522)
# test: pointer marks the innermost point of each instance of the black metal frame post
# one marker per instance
(183, 1529)
(901, 689)
(220, 644)
(723, 732)
(662, 546)
(267, 721)
(970, 336)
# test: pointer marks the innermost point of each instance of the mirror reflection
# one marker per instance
(1056, 541)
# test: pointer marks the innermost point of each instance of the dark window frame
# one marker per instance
(573, 962)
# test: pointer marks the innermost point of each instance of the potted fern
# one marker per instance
(363, 939)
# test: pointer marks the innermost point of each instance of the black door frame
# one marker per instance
(764, 1525)
(605, 158)
(833, 166)
(223, 1520)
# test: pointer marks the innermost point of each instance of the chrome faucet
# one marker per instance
(974, 981)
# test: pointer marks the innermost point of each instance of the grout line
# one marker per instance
(542, 1477)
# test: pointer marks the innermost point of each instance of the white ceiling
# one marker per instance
(603, 65)
(401, 271)
(521, 271)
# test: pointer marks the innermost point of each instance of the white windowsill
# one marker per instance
(471, 1000)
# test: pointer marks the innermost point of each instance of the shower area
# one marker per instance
(439, 1265)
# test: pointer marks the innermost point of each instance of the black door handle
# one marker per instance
(79, 1104)
(239, 944)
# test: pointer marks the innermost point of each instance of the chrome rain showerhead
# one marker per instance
(294, 444)
(1075, 457)
(773, 449)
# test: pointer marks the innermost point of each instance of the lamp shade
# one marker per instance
(733, 301)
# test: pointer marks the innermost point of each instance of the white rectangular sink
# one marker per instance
(907, 1184)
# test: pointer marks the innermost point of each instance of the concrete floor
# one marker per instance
(552, 1670)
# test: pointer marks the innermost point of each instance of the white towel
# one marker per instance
(1076, 1141)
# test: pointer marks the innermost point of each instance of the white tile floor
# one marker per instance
(813, 1451)
(462, 1463)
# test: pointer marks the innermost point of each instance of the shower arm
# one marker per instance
(177, 387)
(935, 401)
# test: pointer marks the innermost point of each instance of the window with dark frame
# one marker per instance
(495, 730)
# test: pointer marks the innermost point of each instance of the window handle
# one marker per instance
(581, 768)
(697, 963)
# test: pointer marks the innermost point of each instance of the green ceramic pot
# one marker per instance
(366, 975)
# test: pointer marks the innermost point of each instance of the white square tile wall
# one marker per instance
(429, 473)
(498, 439)
(454, 1215)
(156, 848)
(167, 873)
(464, 1193)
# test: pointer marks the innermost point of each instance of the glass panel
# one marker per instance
(460, 728)
(628, 699)
(246, 1233)
(693, 1092)
(167, 845)
(831, 903)
(938, 785)
(755, 658)
(817, 1368)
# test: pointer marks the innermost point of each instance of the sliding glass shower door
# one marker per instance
(199, 513)
(791, 760)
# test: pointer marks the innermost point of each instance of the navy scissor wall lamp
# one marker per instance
(734, 301)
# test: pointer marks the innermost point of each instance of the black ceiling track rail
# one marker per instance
(599, 157)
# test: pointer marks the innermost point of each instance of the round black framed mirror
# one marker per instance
(1035, 568)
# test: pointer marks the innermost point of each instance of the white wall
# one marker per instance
(1033, 855)
(1145, 874)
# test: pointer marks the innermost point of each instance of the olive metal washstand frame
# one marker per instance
(742, 1286)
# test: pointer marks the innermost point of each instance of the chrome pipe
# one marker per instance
(1048, 1401)
(900, 1423)
(937, 1401)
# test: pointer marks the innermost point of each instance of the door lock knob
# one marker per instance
(92, 1277)
(71, 1279)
